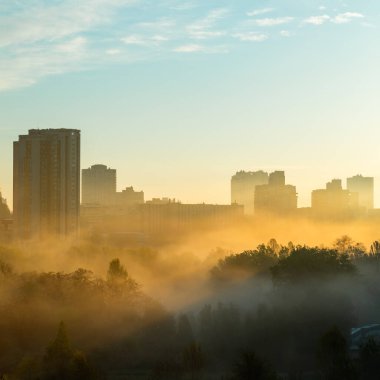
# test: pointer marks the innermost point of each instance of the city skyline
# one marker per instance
(121, 188)
(180, 95)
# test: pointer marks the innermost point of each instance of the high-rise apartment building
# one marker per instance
(46, 182)
(243, 185)
(334, 201)
(276, 197)
(364, 186)
(98, 185)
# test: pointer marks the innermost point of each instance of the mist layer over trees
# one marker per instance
(271, 312)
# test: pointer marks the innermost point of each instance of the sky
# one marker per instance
(179, 95)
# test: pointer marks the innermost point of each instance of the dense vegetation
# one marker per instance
(272, 312)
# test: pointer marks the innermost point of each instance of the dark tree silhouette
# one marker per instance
(116, 271)
(185, 334)
(306, 263)
(369, 360)
(251, 367)
(61, 362)
(333, 358)
(193, 360)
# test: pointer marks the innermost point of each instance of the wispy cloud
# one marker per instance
(251, 36)
(39, 38)
(144, 40)
(258, 12)
(204, 28)
(317, 20)
(286, 33)
(273, 21)
(134, 40)
(113, 51)
(74, 45)
(342, 18)
(193, 48)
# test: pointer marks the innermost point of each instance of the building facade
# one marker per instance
(46, 183)
(98, 185)
(364, 187)
(334, 201)
(243, 185)
(129, 197)
(276, 197)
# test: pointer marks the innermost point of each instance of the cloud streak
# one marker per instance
(273, 21)
(342, 18)
(39, 38)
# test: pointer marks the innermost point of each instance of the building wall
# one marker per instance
(129, 197)
(364, 186)
(46, 182)
(160, 218)
(276, 199)
(334, 201)
(98, 185)
(243, 186)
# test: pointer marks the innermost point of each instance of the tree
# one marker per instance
(184, 331)
(245, 264)
(333, 358)
(375, 248)
(305, 263)
(346, 245)
(369, 360)
(5, 269)
(118, 279)
(61, 362)
(251, 367)
(116, 271)
(193, 360)
(58, 357)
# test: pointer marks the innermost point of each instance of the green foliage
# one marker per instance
(5, 269)
(346, 245)
(369, 263)
(306, 263)
(185, 334)
(251, 367)
(246, 264)
(193, 360)
(333, 358)
(61, 362)
(375, 248)
(116, 271)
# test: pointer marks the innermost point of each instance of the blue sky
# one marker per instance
(178, 95)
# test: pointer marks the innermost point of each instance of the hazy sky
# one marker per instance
(179, 95)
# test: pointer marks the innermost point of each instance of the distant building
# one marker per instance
(161, 201)
(160, 219)
(243, 185)
(98, 185)
(174, 216)
(129, 197)
(277, 178)
(334, 201)
(276, 197)
(364, 186)
(46, 178)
